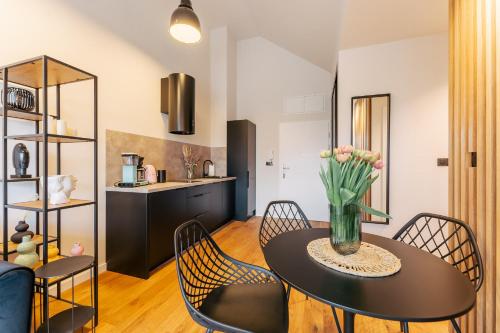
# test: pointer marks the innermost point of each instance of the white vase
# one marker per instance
(59, 188)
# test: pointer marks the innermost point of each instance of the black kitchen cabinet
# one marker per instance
(167, 210)
(241, 163)
(140, 226)
(228, 201)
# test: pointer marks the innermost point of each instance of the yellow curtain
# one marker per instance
(473, 126)
(362, 132)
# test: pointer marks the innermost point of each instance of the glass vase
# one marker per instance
(345, 229)
(190, 172)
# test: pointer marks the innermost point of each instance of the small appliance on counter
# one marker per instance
(161, 176)
(141, 172)
(211, 169)
(133, 173)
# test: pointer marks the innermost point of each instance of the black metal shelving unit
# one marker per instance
(40, 74)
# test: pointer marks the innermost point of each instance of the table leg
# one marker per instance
(348, 322)
(337, 322)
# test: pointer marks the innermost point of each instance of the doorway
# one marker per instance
(300, 145)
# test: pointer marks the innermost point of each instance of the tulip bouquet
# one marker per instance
(348, 176)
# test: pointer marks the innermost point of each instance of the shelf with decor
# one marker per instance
(37, 239)
(25, 87)
(51, 138)
(21, 114)
(19, 180)
(38, 205)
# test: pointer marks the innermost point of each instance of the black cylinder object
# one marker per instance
(21, 160)
(161, 176)
(181, 112)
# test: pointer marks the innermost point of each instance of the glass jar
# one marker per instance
(345, 229)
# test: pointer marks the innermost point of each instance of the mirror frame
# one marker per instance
(387, 163)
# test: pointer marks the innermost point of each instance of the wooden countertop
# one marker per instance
(169, 185)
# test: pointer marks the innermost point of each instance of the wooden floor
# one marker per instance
(130, 304)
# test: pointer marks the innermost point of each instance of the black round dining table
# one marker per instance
(425, 289)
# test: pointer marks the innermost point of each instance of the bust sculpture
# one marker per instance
(60, 187)
(21, 161)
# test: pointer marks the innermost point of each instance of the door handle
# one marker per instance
(285, 168)
(248, 179)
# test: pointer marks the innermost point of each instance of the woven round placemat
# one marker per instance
(369, 261)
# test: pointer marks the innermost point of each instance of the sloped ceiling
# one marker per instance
(308, 28)
(313, 29)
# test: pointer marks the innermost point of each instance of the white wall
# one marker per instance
(414, 72)
(129, 84)
(266, 74)
(222, 83)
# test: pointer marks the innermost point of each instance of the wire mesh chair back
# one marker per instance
(450, 239)
(203, 267)
(280, 217)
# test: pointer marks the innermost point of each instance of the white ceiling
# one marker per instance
(312, 29)
(308, 28)
(370, 22)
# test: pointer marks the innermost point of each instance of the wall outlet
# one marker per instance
(442, 161)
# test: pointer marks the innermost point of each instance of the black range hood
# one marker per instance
(177, 100)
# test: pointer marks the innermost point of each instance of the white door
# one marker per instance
(300, 145)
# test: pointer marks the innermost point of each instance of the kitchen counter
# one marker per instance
(169, 185)
(141, 221)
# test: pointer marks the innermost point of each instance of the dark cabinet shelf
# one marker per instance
(68, 320)
(241, 163)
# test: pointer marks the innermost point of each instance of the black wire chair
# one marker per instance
(448, 238)
(283, 216)
(225, 294)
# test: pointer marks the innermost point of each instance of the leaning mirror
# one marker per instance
(370, 131)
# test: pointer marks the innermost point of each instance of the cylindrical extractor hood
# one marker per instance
(181, 104)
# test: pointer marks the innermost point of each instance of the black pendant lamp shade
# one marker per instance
(178, 99)
(184, 24)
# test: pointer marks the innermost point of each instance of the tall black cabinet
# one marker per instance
(241, 157)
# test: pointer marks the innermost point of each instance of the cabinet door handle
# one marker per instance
(248, 179)
(197, 195)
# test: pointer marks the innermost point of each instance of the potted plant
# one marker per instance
(348, 175)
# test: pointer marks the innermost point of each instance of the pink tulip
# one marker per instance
(378, 164)
(343, 157)
(347, 149)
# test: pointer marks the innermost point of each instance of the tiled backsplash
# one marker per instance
(219, 157)
(161, 153)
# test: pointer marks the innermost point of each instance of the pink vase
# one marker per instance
(77, 249)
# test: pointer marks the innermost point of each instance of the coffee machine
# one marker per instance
(141, 172)
(132, 170)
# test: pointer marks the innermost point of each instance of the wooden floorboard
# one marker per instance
(130, 304)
